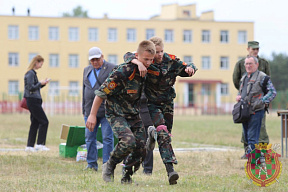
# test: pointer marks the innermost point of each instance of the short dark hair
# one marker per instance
(146, 46)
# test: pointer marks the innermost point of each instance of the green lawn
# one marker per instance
(199, 171)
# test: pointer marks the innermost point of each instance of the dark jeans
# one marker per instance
(263, 137)
(39, 122)
(251, 129)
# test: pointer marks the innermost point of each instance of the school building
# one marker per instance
(213, 46)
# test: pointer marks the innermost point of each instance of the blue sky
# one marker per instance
(269, 16)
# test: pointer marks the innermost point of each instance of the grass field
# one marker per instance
(199, 171)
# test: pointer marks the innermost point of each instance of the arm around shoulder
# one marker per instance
(128, 57)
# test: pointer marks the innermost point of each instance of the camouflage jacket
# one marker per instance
(122, 91)
(161, 77)
(239, 70)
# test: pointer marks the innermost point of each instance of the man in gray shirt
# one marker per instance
(94, 75)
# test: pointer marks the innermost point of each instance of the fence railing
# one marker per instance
(72, 105)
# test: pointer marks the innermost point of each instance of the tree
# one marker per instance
(77, 12)
(279, 71)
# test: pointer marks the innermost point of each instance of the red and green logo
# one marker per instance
(263, 167)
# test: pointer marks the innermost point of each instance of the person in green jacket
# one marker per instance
(239, 71)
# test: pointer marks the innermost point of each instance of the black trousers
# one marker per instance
(39, 122)
(148, 161)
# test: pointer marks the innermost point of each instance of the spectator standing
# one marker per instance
(239, 71)
(38, 118)
(93, 76)
(252, 90)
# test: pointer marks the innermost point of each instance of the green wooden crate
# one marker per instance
(75, 136)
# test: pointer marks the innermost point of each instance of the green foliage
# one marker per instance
(279, 71)
(280, 101)
(279, 77)
(77, 12)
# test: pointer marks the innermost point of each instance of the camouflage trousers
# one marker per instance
(131, 141)
(162, 118)
(263, 138)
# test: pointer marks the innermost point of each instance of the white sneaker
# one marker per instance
(30, 149)
(41, 148)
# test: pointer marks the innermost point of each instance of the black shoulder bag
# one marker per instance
(241, 110)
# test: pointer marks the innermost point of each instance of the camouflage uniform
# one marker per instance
(239, 71)
(160, 94)
(122, 91)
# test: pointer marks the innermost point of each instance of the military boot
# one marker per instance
(245, 151)
(150, 143)
(172, 175)
(108, 170)
(126, 176)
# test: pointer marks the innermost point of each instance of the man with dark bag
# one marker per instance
(251, 91)
(239, 71)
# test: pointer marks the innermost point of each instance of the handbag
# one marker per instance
(23, 103)
(241, 112)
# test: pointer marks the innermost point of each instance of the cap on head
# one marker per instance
(253, 44)
(94, 52)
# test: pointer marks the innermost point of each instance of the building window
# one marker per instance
(186, 13)
(31, 56)
(73, 61)
(187, 36)
(112, 34)
(13, 88)
(187, 59)
(54, 33)
(131, 35)
(150, 33)
(224, 89)
(53, 60)
(242, 37)
(224, 63)
(169, 36)
(206, 62)
(112, 59)
(53, 88)
(191, 94)
(73, 88)
(33, 33)
(206, 89)
(205, 36)
(224, 36)
(93, 34)
(73, 34)
(13, 32)
(13, 59)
